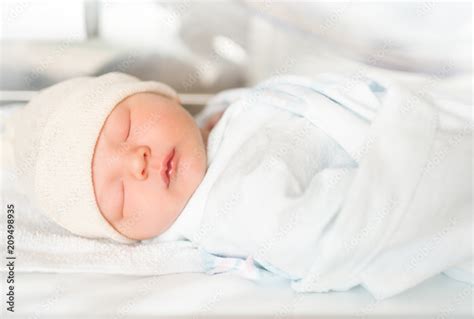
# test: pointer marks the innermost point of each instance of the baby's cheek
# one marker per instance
(131, 224)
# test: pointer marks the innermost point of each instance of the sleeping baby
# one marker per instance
(149, 158)
(312, 180)
(109, 157)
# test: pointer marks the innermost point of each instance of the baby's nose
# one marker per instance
(138, 162)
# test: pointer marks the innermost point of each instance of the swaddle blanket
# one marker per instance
(329, 182)
(334, 183)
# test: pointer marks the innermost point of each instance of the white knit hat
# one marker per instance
(54, 137)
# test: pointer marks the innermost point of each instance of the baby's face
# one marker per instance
(134, 187)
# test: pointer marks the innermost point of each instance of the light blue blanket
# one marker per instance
(336, 182)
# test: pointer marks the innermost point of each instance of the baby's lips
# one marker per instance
(173, 165)
(165, 167)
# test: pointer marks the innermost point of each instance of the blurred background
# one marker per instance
(208, 46)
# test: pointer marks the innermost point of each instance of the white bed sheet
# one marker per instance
(50, 295)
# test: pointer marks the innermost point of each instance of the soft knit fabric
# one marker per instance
(54, 138)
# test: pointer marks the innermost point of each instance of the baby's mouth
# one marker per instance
(168, 167)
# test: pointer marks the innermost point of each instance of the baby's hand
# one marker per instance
(209, 125)
(212, 121)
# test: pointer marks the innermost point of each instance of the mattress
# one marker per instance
(52, 295)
